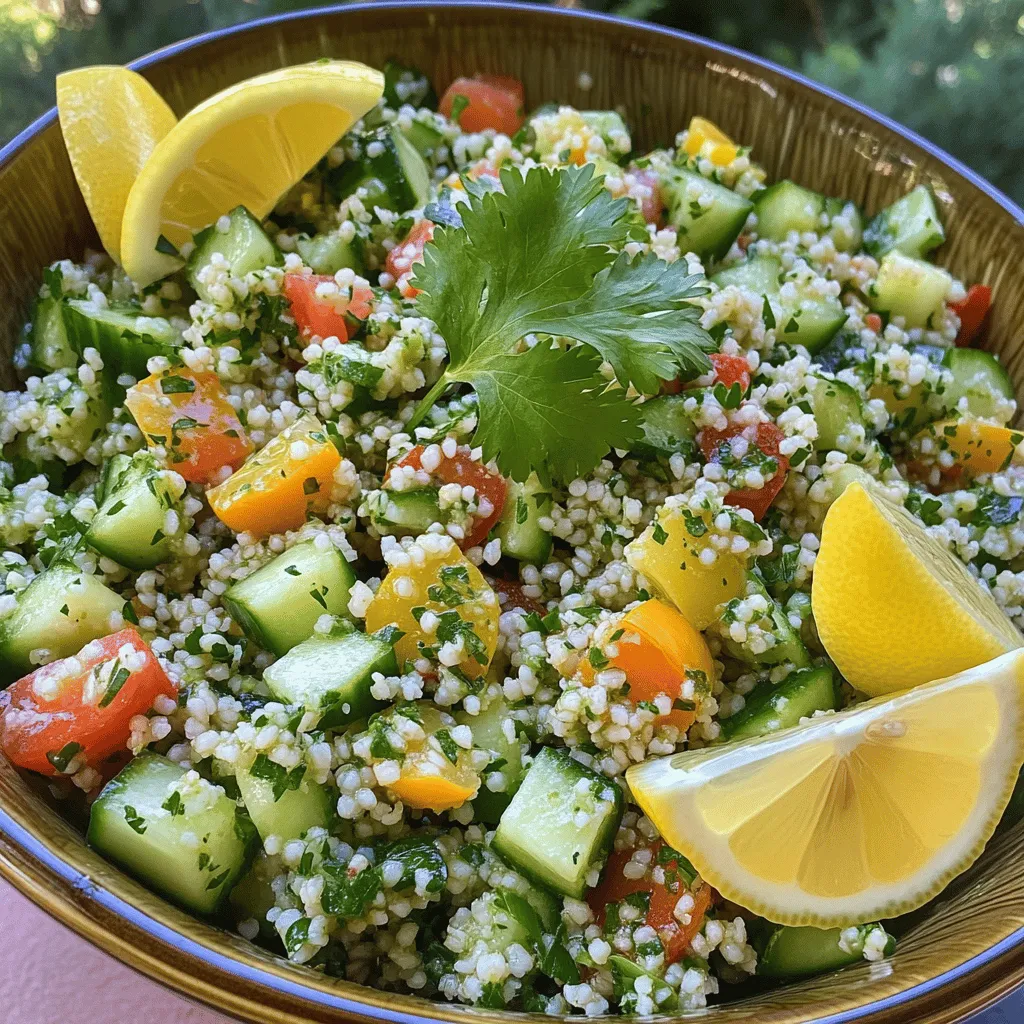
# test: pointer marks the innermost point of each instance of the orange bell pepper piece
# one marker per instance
(280, 485)
(188, 414)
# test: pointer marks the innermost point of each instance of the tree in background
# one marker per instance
(949, 69)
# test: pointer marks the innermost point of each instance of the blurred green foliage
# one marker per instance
(950, 69)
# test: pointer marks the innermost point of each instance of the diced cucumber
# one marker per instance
(292, 811)
(395, 161)
(785, 207)
(405, 512)
(253, 896)
(112, 469)
(610, 126)
(771, 707)
(277, 606)
(327, 254)
(846, 224)
(404, 84)
(787, 646)
(758, 274)
(519, 527)
(60, 611)
(836, 406)
(540, 832)
(124, 336)
(49, 347)
(244, 245)
(193, 858)
(910, 288)
(425, 136)
(798, 952)
(129, 525)
(911, 225)
(813, 323)
(980, 377)
(667, 429)
(707, 216)
(491, 731)
(331, 673)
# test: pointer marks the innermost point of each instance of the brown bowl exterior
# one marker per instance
(966, 949)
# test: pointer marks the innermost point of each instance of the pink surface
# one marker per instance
(67, 979)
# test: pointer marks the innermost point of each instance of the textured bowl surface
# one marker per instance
(960, 953)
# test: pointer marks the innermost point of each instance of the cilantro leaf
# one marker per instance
(543, 257)
(547, 410)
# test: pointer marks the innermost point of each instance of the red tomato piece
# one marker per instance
(873, 322)
(322, 317)
(403, 256)
(87, 700)
(461, 469)
(972, 310)
(652, 203)
(731, 370)
(615, 886)
(485, 101)
(514, 597)
(188, 414)
(766, 436)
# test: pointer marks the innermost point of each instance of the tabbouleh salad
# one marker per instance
(347, 569)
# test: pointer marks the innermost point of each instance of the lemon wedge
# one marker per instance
(851, 817)
(112, 120)
(245, 146)
(892, 606)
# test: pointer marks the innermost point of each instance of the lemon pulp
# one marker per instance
(849, 817)
(245, 146)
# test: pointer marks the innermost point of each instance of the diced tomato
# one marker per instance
(485, 101)
(324, 317)
(514, 597)
(81, 705)
(189, 415)
(461, 469)
(652, 205)
(731, 370)
(401, 258)
(873, 322)
(972, 310)
(766, 436)
(615, 886)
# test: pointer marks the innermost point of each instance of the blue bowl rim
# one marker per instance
(190, 947)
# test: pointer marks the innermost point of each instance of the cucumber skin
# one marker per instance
(762, 704)
(798, 952)
(710, 245)
(526, 541)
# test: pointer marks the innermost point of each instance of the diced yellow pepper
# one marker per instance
(977, 446)
(668, 554)
(708, 140)
(430, 779)
(439, 579)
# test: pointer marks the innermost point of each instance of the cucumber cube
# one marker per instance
(278, 605)
(191, 857)
(332, 673)
(561, 823)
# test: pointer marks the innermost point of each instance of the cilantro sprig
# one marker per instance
(543, 257)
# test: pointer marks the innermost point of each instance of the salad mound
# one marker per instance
(395, 569)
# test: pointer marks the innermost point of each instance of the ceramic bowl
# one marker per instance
(959, 954)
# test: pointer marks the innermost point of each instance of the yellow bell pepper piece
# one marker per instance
(669, 556)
